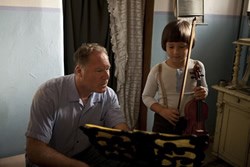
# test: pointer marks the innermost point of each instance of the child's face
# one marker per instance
(177, 51)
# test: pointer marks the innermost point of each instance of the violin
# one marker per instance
(196, 111)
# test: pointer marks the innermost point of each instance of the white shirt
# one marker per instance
(172, 82)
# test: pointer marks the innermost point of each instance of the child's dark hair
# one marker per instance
(176, 31)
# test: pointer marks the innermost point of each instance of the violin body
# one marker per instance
(196, 112)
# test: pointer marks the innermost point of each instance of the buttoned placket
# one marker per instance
(81, 107)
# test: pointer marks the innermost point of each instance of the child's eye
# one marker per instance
(183, 46)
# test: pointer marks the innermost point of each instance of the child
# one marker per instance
(166, 78)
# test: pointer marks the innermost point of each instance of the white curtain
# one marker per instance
(126, 23)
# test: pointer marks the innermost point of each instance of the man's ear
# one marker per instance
(78, 69)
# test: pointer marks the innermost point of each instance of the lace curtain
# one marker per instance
(126, 23)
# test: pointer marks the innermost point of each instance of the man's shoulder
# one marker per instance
(59, 80)
(57, 84)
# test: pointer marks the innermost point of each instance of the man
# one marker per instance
(61, 105)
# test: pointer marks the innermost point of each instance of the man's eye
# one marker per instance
(102, 70)
(99, 70)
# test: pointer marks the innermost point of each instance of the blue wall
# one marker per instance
(213, 47)
(31, 51)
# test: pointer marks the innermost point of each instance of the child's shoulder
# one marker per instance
(157, 66)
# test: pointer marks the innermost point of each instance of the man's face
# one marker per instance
(95, 75)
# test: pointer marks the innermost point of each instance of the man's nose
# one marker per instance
(106, 74)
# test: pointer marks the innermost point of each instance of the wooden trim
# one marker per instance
(147, 45)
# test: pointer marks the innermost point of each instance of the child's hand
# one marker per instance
(200, 93)
(172, 115)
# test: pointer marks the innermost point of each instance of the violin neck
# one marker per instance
(199, 104)
(198, 82)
